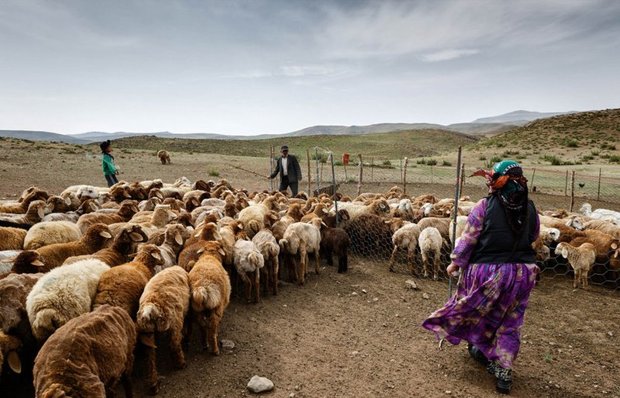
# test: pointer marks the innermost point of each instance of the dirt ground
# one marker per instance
(357, 334)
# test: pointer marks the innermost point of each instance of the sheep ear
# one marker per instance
(217, 236)
(173, 216)
(105, 234)
(14, 362)
(41, 212)
(197, 235)
(156, 256)
(614, 246)
(200, 251)
(38, 263)
(68, 201)
(564, 252)
(178, 238)
(148, 340)
(136, 237)
(223, 253)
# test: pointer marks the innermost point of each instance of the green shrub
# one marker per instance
(386, 163)
(421, 161)
(431, 162)
(446, 163)
(554, 160)
(482, 157)
(614, 159)
(594, 153)
(569, 142)
(214, 173)
(609, 146)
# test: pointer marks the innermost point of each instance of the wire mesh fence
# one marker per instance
(432, 185)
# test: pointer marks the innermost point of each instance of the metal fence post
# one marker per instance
(405, 175)
(462, 179)
(572, 191)
(271, 155)
(566, 184)
(359, 182)
(598, 192)
(532, 182)
(318, 180)
(455, 213)
(372, 170)
(331, 159)
(309, 173)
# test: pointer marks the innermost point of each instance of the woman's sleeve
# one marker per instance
(468, 240)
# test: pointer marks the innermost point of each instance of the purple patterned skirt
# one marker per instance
(487, 309)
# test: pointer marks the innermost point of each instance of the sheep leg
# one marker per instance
(329, 255)
(411, 262)
(214, 324)
(151, 379)
(393, 258)
(127, 384)
(301, 277)
(256, 284)
(343, 263)
(187, 329)
(247, 283)
(436, 265)
(202, 322)
(176, 338)
(317, 262)
(276, 269)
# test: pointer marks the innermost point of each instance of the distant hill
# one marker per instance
(382, 145)
(42, 136)
(518, 117)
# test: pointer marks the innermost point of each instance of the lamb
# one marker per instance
(122, 247)
(301, 239)
(23, 206)
(193, 249)
(163, 156)
(50, 232)
(12, 238)
(378, 207)
(268, 246)
(319, 212)
(253, 217)
(600, 214)
(127, 210)
(61, 205)
(406, 237)
(330, 219)
(122, 286)
(36, 211)
(87, 356)
(210, 287)
(249, 260)
(63, 294)
(335, 241)
(441, 223)
(16, 341)
(52, 256)
(163, 307)
(173, 243)
(431, 241)
(606, 246)
(580, 258)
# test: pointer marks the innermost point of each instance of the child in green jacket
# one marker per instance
(109, 168)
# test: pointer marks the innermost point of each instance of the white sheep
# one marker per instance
(379, 207)
(49, 232)
(269, 248)
(301, 239)
(249, 260)
(406, 237)
(580, 258)
(62, 294)
(430, 241)
(601, 214)
(253, 216)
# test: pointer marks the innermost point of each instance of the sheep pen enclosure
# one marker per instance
(358, 334)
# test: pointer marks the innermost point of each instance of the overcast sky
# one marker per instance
(250, 67)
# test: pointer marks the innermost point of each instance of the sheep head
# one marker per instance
(97, 235)
(27, 262)
(9, 346)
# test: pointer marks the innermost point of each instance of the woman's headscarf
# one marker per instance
(506, 181)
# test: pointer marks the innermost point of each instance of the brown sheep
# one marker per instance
(59, 204)
(22, 206)
(163, 156)
(48, 257)
(34, 214)
(125, 212)
(12, 238)
(330, 219)
(122, 247)
(163, 307)
(335, 241)
(122, 286)
(87, 356)
(210, 287)
(606, 246)
(195, 246)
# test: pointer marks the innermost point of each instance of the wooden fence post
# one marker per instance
(359, 182)
(598, 192)
(566, 184)
(462, 178)
(309, 173)
(318, 176)
(271, 155)
(572, 191)
(405, 176)
(372, 170)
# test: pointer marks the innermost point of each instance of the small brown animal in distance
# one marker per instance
(164, 156)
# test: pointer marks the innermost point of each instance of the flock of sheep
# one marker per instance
(88, 274)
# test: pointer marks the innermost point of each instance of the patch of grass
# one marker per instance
(595, 153)
(214, 173)
(386, 163)
(614, 159)
(446, 163)
(569, 142)
(607, 145)
(482, 157)
(554, 160)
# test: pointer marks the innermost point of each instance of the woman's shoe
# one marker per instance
(475, 353)
(503, 377)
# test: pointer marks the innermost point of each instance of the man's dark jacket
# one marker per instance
(292, 167)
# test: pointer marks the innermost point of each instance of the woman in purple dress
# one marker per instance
(498, 267)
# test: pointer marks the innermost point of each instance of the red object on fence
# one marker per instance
(345, 159)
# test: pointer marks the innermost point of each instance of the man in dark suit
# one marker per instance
(290, 172)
